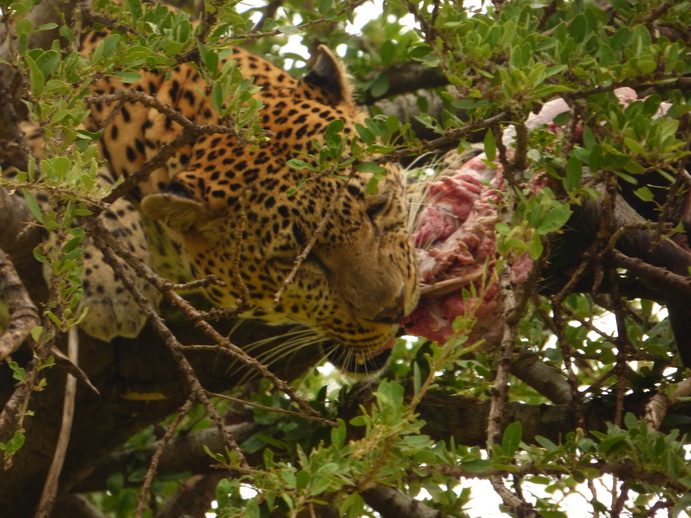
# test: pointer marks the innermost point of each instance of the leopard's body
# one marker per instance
(229, 207)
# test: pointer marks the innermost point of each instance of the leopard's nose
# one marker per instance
(395, 312)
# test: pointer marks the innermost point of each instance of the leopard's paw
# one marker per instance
(112, 309)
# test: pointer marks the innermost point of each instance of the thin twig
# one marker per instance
(191, 131)
(571, 377)
(252, 403)
(50, 487)
(313, 240)
(346, 7)
(155, 459)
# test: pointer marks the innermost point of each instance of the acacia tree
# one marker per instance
(542, 395)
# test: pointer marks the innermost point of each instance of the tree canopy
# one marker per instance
(566, 378)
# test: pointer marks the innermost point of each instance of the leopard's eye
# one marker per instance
(377, 205)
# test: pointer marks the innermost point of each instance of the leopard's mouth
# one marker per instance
(361, 363)
(362, 357)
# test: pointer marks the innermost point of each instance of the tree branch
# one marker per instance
(392, 503)
(23, 313)
(186, 452)
(50, 489)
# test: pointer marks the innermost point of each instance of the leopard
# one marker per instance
(238, 211)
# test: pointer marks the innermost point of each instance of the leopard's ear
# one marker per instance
(329, 75)
(179, 213)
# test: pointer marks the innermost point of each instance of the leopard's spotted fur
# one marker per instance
(228, 206)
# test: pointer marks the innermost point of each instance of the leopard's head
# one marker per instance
(241, 213)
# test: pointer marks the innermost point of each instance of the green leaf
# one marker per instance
(322, 479)
(612, 444)
(353, 506)
(554, 219)
(512, 438)
(630, 421)
(39, 256)
(370, 167)
(644, 194)
(72, 244)
(48, 62)
(574, 174)
(61, 166)
(302, 479)
(109, 44)
(209, 58)
(333, 131)
(634, 146)
(380, 85)
(134, 7)
(387, 52)
(289, 30)
(549, 90)
(217, 97)
(172, 48)
(338, 434)
(546, 443)
(33, 205)
(535, 247)
(476, 466)
(429, 122)
(37, 81)
(298, 164)
(14, 444)
(324, 6)
(417, 378)
(419, 52)
(88, 135)
(36, 333)
(562, 118)
(365, 134)
(18, 373)
(23, 26)
(490, 145)
(128, 77)
(578, 27)
(595, 158)
(225, 488)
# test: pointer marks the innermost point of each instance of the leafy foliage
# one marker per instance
(508, 57)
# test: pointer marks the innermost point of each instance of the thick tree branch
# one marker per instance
(23, 313)
(544, 378)
(19, 235)
(392, 503)
(407, 78)
(464, 419)
(186, 452)
(447, 417)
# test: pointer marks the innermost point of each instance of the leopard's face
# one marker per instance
(355, 283)
(242, 214)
